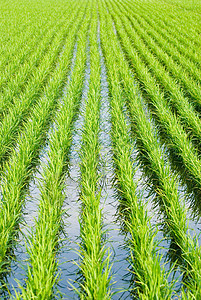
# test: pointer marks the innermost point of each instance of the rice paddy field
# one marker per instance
(100, 149)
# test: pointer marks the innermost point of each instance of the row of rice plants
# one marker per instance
(184, 15)
(18, 171)
(23, 106)
(27, 70)
(94, 256)
(30, 47)
(22, 56)
(172, 35)
(185, 80)
(9, 32)
(18, 53)
(44, 239)
(187, 6)
(30, 25)
(173, 92)
(173, 22)
(172, 88)
(164, 184)
(182, 152)
(154, 35)
(16, 38)
(149, 280)
(30, 134)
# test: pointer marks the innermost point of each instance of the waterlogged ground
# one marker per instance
(100, 150)
(68, 257)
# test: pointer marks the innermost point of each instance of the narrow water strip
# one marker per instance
(109, 203)
(68, 257)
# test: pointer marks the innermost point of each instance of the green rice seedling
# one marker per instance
(37, 41)
(186, 6)
(191, 87)
(19, 50)
(18, 41)
(182, 152)
(153, 34)
(21, 57)
(29, 69)
(31, 22)
(94, 256)
(10, 33)
(172, 23)
(163, 183)
(180, 104)
(22, 106)
(149, 280)
(39, 282)
(173, 35)
(186, 19)
(30, 48)
(18, 171)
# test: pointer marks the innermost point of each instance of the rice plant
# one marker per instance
(94, 256)
(183, 154)
(22, 106)
(19, 169)
(149, 280)
(39, 283)
(151, 53)
(158, 172)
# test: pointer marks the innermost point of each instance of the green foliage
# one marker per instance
(163, 183)
(39, 282)
(18, 171)
(151, 49)
(94, 255)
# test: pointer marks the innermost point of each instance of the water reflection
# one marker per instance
(68, 258)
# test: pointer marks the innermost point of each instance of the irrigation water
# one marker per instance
(120, 276)
(68, 256)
